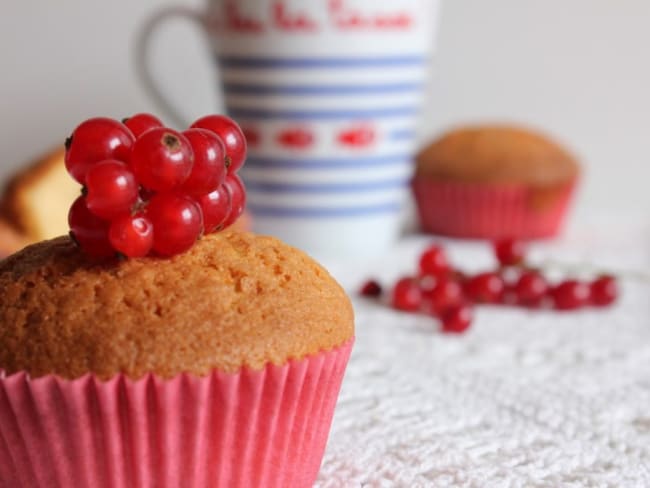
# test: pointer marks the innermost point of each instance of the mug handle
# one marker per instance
(142, 50)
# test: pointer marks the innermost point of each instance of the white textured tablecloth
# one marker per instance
(523, 399)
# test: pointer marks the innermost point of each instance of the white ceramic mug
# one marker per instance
(328, 93)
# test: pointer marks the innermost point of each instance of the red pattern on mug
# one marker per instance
(289, 21)
(296, 138)
(238, 22)
(346, 18)
(357, 136)
(252, 135)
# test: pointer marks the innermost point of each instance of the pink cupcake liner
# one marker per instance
(491, 211)
(263, 428)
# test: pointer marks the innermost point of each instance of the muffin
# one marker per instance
(216, 367)
(494, 182)
(36, 198)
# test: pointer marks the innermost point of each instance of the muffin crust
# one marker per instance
(496, 154)
(234, 300)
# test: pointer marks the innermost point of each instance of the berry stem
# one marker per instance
(580, 268)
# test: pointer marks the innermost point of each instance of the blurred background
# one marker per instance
(577, 69)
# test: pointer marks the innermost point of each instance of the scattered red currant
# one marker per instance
(603, 291)
(111, 189)
(427, 284)
(570, 295)
(138, 124)
(216, 208)
(448, 294)
(89, 231)
(180, 222)
(237, 193)
(371, 288)
(162, 159)
(96, 140)
(485, 288)
(209, 169)
(530, 289)
(131, 235)
(444, 295)
(457, 319)
(407, 295)
(510, 252)
(433, 261)
(231, 135)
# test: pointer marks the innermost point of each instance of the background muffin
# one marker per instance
(10, 239)
(492, 182)
(234, 350)
(37, 198)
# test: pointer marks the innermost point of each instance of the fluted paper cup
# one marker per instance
(491, 211)
(263, 428)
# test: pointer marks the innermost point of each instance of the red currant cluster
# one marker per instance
(149, 188)
(448, 294)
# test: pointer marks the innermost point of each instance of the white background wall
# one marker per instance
(579, 69)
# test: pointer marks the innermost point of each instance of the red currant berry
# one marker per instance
(162, 159)
(371, 288)
(407, 295)
(428, 283)
(231, 135)
(237, 198)
(485, 288)
(131, 235)
(570, 295)
(509, 296)
(445, 294)
(177, 223)
(510, 252)
(89, 231)
(457, 319)
(216, 208)
(145, 195)
(138, 124)
(433, 261)
(604, 291)
(111, 189)
(209, 169)
(530, 289)
(96, 140)
(458, 276)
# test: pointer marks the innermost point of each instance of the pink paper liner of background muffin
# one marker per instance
(254, 428)
(491, 211)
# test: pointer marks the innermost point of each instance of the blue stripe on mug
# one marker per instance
(324, 212)
(325, 89)
(353, 187)
(269, 114)
(402, 135)
(323, 62)
(329, 163)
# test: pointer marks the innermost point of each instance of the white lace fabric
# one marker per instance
(524, 399)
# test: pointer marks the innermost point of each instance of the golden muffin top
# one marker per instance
(496, 154)
(234, 300)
